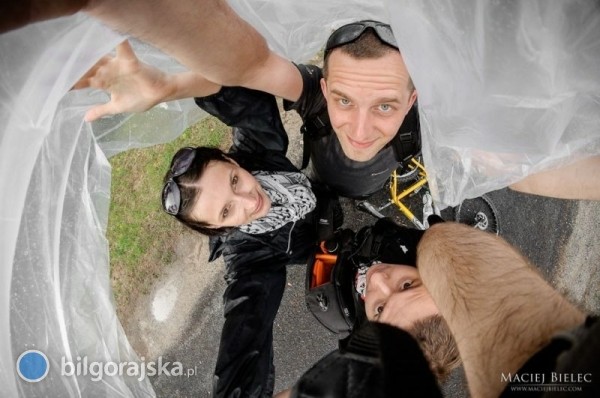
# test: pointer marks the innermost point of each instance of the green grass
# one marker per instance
(141, 236)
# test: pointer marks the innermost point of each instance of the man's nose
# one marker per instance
(361, 126)
(380, 283)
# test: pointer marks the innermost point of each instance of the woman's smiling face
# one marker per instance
(229, 196)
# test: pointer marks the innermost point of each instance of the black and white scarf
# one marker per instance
(291, 199)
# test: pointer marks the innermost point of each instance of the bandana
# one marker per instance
(291, 199)
(360, 280)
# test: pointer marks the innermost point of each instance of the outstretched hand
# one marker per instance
(133, 85)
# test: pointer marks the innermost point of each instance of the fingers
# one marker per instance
(81, 83)
(93, 77)
(88, 78)
(99, 111)
(125, 52)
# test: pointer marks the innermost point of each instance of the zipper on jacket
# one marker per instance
(290, 238)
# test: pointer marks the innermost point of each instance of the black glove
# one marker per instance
(388, 242)
(434, 219)
(329, 213)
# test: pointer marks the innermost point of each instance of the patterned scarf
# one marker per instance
(291, 199)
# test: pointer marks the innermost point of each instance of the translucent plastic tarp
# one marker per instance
(505, 88)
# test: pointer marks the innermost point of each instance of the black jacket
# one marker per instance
(290, 244)
(256, 264)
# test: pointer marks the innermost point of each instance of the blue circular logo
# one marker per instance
(32, 366)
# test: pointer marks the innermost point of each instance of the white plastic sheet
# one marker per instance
(54, 290)
(505, 88)
(55, 293)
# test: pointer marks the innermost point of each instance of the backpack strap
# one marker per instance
(314, 128)
(407, 142)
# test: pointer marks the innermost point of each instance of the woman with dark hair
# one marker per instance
(212, 194)
(258, 210)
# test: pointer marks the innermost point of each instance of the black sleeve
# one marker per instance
(254, 116)
(245, 360)
(375, 361)
(256, 275)
(311, 101)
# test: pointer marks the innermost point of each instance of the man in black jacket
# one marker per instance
(515, 333)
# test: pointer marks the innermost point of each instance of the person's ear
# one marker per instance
(411, 100)
(324, 87)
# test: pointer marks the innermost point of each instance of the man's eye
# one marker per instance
(406, 285)
(385, 107)
(234, 181)
(344, 101)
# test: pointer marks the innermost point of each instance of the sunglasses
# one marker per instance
(351, 32)
(171, 195)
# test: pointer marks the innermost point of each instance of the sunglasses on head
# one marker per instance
(351, 32)
(171, 195)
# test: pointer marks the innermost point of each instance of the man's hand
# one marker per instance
(133, 85)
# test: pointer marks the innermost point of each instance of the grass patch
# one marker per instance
(141, 236)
